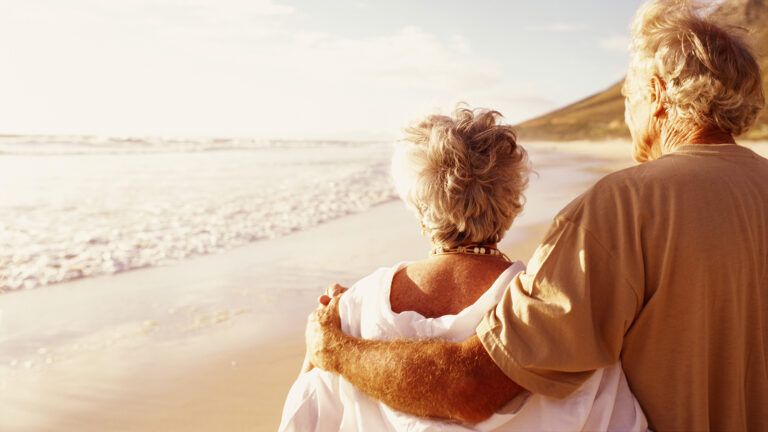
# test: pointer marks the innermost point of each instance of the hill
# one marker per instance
(601, 116)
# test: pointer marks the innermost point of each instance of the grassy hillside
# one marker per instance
(601, 116)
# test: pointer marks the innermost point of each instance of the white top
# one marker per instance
(322, 401)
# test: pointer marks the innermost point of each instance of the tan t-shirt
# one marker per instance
(664, 266)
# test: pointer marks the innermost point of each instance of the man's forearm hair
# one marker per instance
(428, 378)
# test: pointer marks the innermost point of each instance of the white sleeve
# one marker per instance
(300, 412)
(313, 403)
(351, 305)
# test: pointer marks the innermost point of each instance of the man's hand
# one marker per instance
(323, 334)
(331, 292)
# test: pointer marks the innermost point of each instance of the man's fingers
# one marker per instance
(324, 300)
(330, 314)
(330, 292)
(334, 290)
(338, 290)
(334, 303)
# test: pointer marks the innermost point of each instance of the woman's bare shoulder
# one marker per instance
(443, 287)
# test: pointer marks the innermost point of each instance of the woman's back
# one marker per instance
(444, 284)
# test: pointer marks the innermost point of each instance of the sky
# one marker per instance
(296, 69)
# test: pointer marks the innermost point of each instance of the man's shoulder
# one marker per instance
(675, 170)
(613, 190)
(638, 175)
(630, 181)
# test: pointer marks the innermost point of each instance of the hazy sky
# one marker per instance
(338, 69)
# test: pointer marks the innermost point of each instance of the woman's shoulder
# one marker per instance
(366, 296)
(374, 281)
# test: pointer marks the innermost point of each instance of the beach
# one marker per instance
(212, 341)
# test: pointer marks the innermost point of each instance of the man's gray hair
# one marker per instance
(709, 70)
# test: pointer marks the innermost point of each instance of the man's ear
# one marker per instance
(658, 95)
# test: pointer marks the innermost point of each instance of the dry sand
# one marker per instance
(215, 342)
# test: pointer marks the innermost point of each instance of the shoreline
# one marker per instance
(615, 155)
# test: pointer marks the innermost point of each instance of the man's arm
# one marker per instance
(431, 378)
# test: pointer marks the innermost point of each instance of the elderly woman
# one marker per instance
(663, 266)
(464, 177)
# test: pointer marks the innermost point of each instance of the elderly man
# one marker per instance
(663, 265)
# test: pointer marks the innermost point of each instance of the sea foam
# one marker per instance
(75, 207)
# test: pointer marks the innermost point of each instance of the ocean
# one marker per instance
(76, 207)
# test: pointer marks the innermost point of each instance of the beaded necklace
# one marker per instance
(469, 250)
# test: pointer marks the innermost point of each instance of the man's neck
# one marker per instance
(676, 137)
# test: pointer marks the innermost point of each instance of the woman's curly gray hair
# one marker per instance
(464, 176)
(710, 73)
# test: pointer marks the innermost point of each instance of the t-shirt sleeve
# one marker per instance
(565, 316)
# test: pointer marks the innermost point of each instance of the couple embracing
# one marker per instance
(645, 306)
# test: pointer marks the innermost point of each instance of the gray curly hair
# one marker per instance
(710, 73)
(463, 175)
